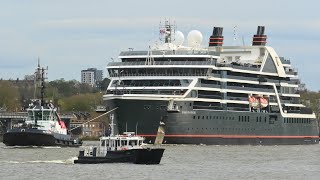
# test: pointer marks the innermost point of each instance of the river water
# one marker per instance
(178, 162)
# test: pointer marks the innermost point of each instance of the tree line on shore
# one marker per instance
(15, 95)
(72, 95)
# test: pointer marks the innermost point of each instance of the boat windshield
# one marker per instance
(133, 143)
(30, 115)
(123, 142)
(39, 115)
(46, 115)
(35, 115)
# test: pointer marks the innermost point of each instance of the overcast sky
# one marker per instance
(71, 35)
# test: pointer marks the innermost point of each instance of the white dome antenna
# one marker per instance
(194, 38)
(179, 38)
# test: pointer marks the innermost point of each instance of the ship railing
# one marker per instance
(293, 111)
(211, 85)
(237, 109)
(249, 88)
(13, 115)
(284, 61)
(157, 74)
(292, 73)
(244, 67)
(167, 52)
(238, 98)
(209, 96)
(135, 63)
(242, 77)
(207, 107)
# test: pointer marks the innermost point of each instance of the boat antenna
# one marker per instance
(112, 128)
(36, 78)
(42, 86)
(235, 35)
(167, 31)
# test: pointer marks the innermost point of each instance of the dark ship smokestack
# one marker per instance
(259, 39)
(216, 39)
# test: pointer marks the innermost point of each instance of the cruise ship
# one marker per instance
(213, 94)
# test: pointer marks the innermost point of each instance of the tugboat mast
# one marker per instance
(42, 86)
(40, 76)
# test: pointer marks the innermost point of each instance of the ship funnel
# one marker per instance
(216, 39)
(259, 39)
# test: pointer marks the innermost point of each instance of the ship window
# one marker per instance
(123, 143)
(38, 115)
(190, 104)
(194, 117)
(198, 117)
(103, 143)
(132, 143)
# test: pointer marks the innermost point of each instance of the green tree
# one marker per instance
(81, 102)
(9, 96)
(104, 84)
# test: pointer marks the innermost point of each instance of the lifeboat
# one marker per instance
(263, 102)
(253, 102)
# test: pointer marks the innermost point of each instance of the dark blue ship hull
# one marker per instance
(212, 127)
(36, 137)
(136, 156)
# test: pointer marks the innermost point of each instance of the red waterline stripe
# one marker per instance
(228, 136)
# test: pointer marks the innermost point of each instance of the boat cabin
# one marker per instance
(126, 141)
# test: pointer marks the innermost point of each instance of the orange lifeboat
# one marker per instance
(253, 102)
(263, 102)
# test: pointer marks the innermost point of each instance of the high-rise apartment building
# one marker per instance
(91, 76)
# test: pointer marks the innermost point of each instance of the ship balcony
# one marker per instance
(156, 74)
(209, 96)
(238, 98)
(161, 63)
(249, 89)
(211, 85)
(295, 73)
(242, 78)
(243, 67)
(284, 61)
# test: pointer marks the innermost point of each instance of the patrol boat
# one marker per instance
(125, 148)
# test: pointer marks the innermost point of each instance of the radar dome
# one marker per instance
(194, 38)
(179, 38)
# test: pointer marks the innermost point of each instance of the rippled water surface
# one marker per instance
(178, 162)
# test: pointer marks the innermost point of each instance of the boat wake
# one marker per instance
(58, 161)
(31, 147)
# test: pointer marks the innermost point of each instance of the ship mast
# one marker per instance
(40, 76)
(42, 86)
(167, 32)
